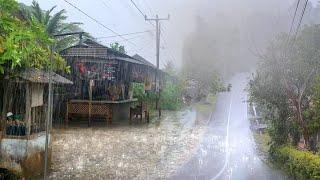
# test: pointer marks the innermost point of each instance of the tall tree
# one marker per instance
(54, 23)
(23, 43)
(294, 68)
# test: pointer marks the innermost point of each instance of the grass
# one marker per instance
(262, 141)
(206, 108)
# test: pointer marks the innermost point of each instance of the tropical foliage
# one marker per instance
(54, 23)
(285, 83)
(171, 96)
(117, 47)
(23, 43)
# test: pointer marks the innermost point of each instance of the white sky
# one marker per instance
(122, 17)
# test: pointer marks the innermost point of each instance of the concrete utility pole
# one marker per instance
(157, 79)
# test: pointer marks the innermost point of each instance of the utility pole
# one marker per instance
(157, 78)
(50, 101)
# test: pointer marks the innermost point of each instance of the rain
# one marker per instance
(160, 89)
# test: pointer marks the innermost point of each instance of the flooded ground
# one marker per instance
(228, 150)
(191, 144)
(139, 151)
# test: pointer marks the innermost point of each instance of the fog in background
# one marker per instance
(216, 35)
(227, 34)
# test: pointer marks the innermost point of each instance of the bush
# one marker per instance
(171, 97)
(138, 91)
(299, 164)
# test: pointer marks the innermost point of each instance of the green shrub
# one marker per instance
(171, 97)
(299, 164)
(138, 91)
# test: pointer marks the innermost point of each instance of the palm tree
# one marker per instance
(53, 23)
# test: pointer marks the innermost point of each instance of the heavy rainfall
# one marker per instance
(160, 89)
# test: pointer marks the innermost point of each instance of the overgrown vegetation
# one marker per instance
(299, 164)
(285, 84)
(171, 96)
(286, 88)
(24, 43)
(53, 23)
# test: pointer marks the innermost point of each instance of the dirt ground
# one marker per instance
(124, 151)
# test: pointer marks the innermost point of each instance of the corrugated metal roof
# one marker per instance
(39, 76)
(144, 61)
(90, 48)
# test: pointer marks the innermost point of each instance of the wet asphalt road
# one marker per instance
(228, 149)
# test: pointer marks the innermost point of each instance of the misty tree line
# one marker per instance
(287, 87)
(287, 82)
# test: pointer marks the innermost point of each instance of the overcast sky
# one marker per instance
(122, 17)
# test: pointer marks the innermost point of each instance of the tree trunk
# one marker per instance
(301, 121)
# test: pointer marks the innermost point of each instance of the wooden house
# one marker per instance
(24, 103)
(23, 119)
(102, 80)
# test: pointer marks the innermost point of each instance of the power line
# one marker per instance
(164, 38)
(105, 4)
(127, 34)
(294, 17)
(135, 37)
(301, 18)
(98, 22)
(149, 8)
(166, 44)
(291, 43)
(140, 11)
(136, 6)
(299, 25)
(144, 15)
(104, 26)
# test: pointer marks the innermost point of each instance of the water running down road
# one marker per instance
(228, 150)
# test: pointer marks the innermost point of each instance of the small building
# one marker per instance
(24, 115)
(102, 80)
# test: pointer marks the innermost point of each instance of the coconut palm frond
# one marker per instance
(25, 12)
(47, 15)
(70, 27)
(37, 11)
(66, 42)
(55, 22)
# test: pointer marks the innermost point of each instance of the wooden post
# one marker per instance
(67, 115)
(91, 84)
(28, 109)
(6, 92)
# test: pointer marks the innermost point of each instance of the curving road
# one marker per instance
(228, 148)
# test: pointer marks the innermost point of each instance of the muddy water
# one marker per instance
(140, 151)
(183, 145)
